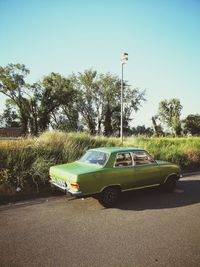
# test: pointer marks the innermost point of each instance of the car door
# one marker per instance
(123, 170)
(147, 171)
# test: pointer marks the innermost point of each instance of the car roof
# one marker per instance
(111, 150)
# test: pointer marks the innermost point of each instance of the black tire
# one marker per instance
(170, 184)
(109, 197)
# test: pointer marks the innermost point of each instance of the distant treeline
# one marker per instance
(86, 101)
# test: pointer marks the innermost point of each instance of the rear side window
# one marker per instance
(142, 157)
(123, 159)
(94, 157)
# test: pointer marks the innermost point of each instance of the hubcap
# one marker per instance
(110, 196)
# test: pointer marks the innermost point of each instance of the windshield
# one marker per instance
(94, 157)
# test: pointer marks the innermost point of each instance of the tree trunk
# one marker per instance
(107, 123)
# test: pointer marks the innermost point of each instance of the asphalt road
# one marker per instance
(147, 228)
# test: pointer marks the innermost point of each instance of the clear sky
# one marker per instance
(161, 37)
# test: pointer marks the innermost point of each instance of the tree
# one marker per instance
(110, 104)
(142, 130)
(191, 124)
(53, 92)
(9, 118)
(66, 118)
(63, 102)
(98, 101)
(46, 100)
(169, 113)
(86, 88)
(158, 130)
(12, 84)
(133, 99)
(34, 104)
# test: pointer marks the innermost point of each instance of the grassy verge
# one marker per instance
(25, 163)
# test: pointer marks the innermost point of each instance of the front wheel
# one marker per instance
(109, 197)
(170, 184)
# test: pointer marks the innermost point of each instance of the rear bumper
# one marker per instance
(65, 189)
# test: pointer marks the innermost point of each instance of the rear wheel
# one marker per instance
(109, 197)
(170, 184)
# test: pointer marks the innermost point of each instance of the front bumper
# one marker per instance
(65, 189)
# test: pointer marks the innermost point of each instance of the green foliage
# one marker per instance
(85, 85)
(142, 130)
(85, 100)
(98, 101)
(158, 129)
(12, 85)
(191, 124)
(6, 182)
(169, 113)
(9, 118)
(39, 171)
(54, 92)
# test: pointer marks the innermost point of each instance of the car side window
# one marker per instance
(142, 157)
(123, 159)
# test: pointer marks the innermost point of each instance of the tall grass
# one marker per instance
(25, 163)
(182, 151)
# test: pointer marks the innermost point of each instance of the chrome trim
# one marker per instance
(59, 186)
(110, 185)
(135, 188)
(116, 167)
(78, 193)
(133, 162)
(64, 188)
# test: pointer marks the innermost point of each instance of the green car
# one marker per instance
(107, 171)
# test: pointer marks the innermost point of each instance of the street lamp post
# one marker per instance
(124, 59)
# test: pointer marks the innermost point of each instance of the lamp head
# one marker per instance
(124, 58)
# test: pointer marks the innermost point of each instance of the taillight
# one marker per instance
(75, 186)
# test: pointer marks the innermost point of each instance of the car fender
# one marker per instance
(110, 185)
(171, 175)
